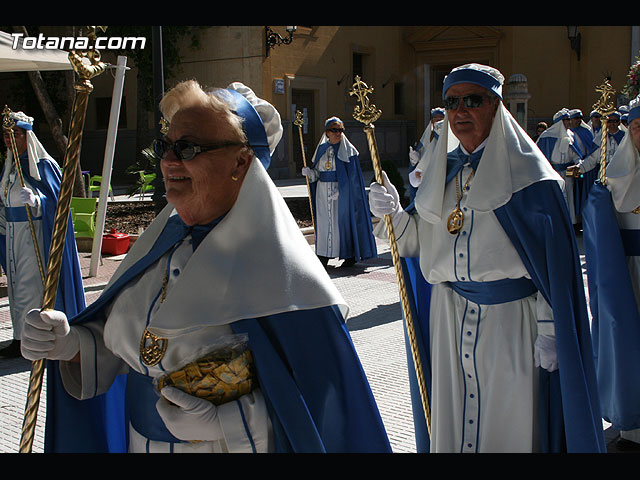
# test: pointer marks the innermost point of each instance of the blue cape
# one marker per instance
(354, 217)
(537, 223)
(69, 299)
(616, 321)
(547, 143)
(316, 391)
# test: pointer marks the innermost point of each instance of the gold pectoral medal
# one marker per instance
(152, 348)
(455, 221)
(456, 217)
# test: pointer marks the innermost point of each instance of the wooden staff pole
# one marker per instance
(82, 88)
(367, 113)
(299, 122)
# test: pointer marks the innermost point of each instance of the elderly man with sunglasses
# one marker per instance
(501, 317)
(340, 210)
(220, 331)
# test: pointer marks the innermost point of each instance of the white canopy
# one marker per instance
(22, 60)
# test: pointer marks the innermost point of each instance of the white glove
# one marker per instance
(187, 417)
(47, 334)
(415, 177)
(307, 172)
(335, 195)
(414, 156)
(545, 353)
(27, 197)
(384, 200)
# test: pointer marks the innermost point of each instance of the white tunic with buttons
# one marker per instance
(484, 378)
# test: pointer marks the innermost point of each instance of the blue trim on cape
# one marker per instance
(616, 320)
(354, 218)
(537, 222)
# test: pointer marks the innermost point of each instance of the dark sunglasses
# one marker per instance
(474, 100)
(186, 150)
(336, 130)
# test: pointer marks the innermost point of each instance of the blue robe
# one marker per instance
(616, 320)
(70, 294)
(582, 185)
(354, 217)
(316, 391)
(539, 227)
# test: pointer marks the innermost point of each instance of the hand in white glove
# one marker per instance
(415, 177)
(545, 353)
(414, 156)
(27, 197)
(335, 195)
(384, 199)
(47, 334)
(307, 172)
(187, 417)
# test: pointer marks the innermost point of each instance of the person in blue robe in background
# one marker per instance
(223, 268)
(612, 250)
(428, 139)
(343, 227)
(42, 177)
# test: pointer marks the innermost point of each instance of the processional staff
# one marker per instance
(82, 88)
(299, 122)
(7, 124)
(604, 107)
(367, 113)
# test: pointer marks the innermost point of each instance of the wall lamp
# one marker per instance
(575, 39)
(272, 39)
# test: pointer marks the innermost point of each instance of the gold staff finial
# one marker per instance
(604, 106)
(366, 112)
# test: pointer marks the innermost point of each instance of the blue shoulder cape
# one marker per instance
(616, 321)
(537, 222)
(354, 217)
(69, 299)
(317, 394)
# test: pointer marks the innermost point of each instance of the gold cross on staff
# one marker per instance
(365, 112)
(299, 121)
(603, 106)
(7, 121)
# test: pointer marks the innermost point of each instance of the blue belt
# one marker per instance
(331, 176)
(17, 214)
(561, 166)
(631, 242)
(494, 292)
(141, 402)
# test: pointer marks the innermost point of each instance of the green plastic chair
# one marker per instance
(146, 183)
(83, 215)
(94, 185)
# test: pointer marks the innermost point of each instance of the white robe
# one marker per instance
(24, 282)
(484, 381)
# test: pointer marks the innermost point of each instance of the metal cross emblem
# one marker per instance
(365, 112)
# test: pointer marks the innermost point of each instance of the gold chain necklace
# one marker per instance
(456, 218)
(153, 347)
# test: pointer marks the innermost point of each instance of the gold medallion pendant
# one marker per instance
(456, 218)
(455, 221)
(152, 348)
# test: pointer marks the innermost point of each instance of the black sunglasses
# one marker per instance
(186, 150)
(335, 130)
(474, 100)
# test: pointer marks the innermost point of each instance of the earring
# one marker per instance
(234, 178)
